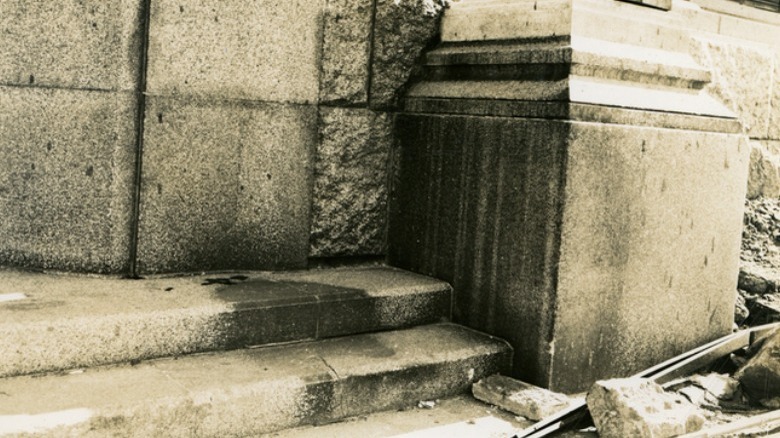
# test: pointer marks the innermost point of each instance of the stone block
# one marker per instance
(349, 212)
(764, 173)
(71, 43)
(402, 29)
(741, 79)
(520, 398)
(266, 50)
(66, 183)
(612, 271)
(654, 242)
(226, 185)
(760, 376)
(346, 49)
(640, 408)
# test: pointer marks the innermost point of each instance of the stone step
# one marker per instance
(252, 391)
(58, 322)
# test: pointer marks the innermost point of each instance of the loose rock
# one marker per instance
(720, 386)
(636, 407)
(760, 376)
(518, 397)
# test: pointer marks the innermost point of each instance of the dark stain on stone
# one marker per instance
(268, 175)
(32, 79)
(239, 277)
(159, 189)
(159, 118)
(90, 171)
(663, 186)
(181, 9)
(94, 25)
(49, 146)
(32, 304)
(168, 289)
(644, 146)
(706, 261)
(216, 19)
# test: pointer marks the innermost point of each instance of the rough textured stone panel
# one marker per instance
(402, 29)
(764, 173)
(226, 185)
(70, 43)
(260, 50)
(653, 243)
(741, 79)
(66, 179)
(640, 408)
(346, 47)
(350, 184)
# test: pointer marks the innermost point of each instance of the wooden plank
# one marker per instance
(763, 424)
(703, 358)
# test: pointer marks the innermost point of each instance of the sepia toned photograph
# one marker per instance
(389, 218)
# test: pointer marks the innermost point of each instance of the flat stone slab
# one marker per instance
(55, 322)
(520, 398)
(247, 392)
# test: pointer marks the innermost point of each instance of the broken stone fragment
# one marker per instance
(720, 386)
(636, 407)
(741, 312)
(760, 376)
(520, 398)
(764, 309)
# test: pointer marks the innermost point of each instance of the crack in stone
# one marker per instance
(329, 367)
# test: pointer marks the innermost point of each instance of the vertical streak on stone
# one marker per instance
(135, 212)
(370, 61)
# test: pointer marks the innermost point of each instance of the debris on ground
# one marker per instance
(759, 275)
(760, 375)
(694, 392)
(426, 404)
(639, 407)
(520, 398)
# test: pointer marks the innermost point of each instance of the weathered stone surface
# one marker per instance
(764, 176)
(760, 376)
(774, 118)
(266, 50)
(640, 408)
(349, 212)
(741, 78)
(226, 185)
(665, 219)
(251, 392)
(66, 182)
(518, 397)
(479, 203)
(402, 29)
(346, 48)
(71, 43)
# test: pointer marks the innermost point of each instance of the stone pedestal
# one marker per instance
(574, 183)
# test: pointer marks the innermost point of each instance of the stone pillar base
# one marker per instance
(584, 197)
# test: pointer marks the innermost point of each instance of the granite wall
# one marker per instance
(156, 136)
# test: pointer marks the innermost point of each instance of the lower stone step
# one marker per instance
(57, 322)
(252, 391)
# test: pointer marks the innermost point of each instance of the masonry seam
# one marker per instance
(140, 116)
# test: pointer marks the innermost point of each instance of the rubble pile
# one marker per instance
(734, 393)
(758, 300)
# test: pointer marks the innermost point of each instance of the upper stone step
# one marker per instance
(58, 322)
(248, 392)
